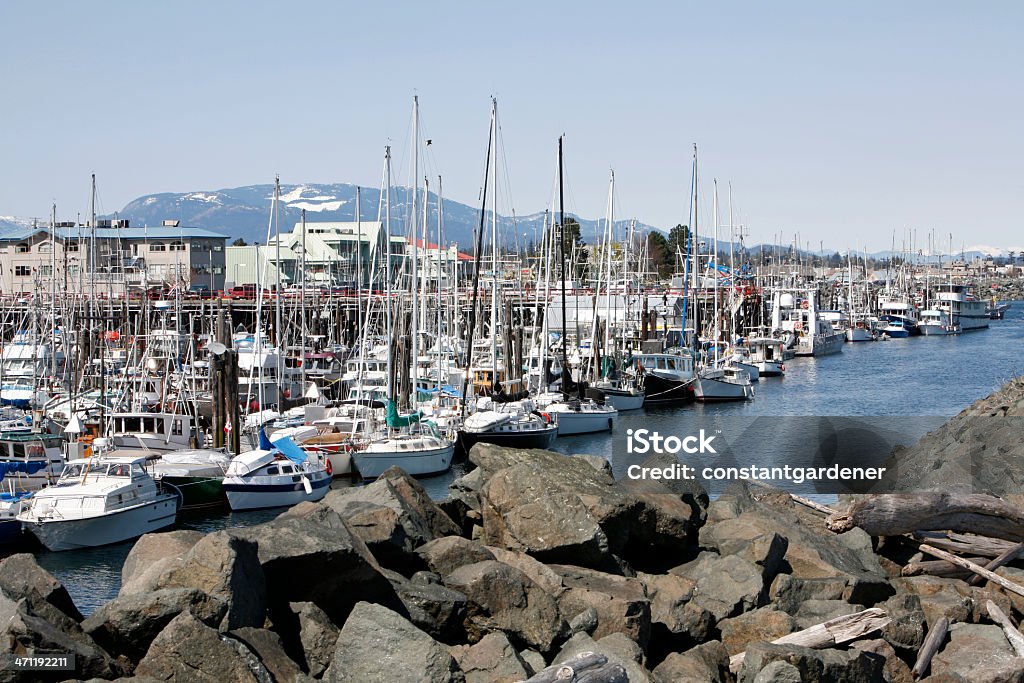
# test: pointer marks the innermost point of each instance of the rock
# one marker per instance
(463, 502)
(584, 622)
(952, 598)
(906, 627)
(778, 672)
(561, 509)
(534, 661)
(502, 598)
(151, 556)
(32, 626)
(979, 653)
(677, 623)
(128, 624)
(617, 648)
(443, 555)
(819, 611)
(318, 637)
(726, 586)
(896, 670)
(21, 576)
(621, 603)
(814, 666)
(309, 554)
(788, 592)
(437, 610)
(394, 516)
(540, 573)
(705, 663)
(188, 650)
(493, 660)
(266, 645)
(812, 551)
(759, 626)
(378, 645)
(742, 538)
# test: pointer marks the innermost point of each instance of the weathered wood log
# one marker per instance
(976, 568)
(807, 502)
(1008, 555)
(931, 645)
(1011, 632)
(941, 568)
(586, 667)
(829, 633)
(969, 544)
(892, 514)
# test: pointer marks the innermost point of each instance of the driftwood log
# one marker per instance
(586, 667)
(931, 645)
(969, 544)
(892, 514)
(1009, 555)
(828, 634)
(1011, 632)
(941, 568)
(976, 568)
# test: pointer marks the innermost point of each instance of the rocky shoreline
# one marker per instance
(537, 561)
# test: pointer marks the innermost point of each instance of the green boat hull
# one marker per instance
(199, 493)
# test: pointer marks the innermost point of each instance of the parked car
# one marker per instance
(243, 291)
(158, 292)
(200, 291)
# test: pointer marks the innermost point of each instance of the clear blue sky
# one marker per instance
(839, 121)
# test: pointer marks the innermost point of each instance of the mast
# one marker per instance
(359, 260)
(566, 374)
(413, 287)
(387, 272)
(494, 242)
(278, 313)
(302, 313)
(714, 273)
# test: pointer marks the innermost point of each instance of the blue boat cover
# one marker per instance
(265, 444)
(291, 450)
(26, 466)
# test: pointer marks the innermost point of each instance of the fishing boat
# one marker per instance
(667, 377)
(936, 323)
(517, 425)
(21, 444)
(721, 384)
(766, 354)
(961, 308)
(98, 501)
(279, 476)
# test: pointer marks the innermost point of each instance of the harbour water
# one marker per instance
(934, 376)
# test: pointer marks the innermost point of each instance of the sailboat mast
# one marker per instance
(413, 226)
(387, 270)
(278, 314)
(494, 242)
(714, 273)
(566, 374)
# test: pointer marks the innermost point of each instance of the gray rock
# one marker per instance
(819, 611)
(815, 666)
(151, 556)
(540, 573)
(394, 516)
(309, 554)
(463, 502)
(726, 586)
(705, 663)
(677, 623)
(267, 646)
(128, 624)
(750, 541)
(617, 648)
(437, 610)
(952, 598)
(584, 622)
(896, 670)
(621, 603)
(318, 637)
(493, 660)
(443, 555)
(502, 598)
(788, 592)
(32, 626)
(189, 650)
(979, 653)
(377, 645)
(534, 661)
(906, 627)
(759, 626)
(778, 672)
(21, 576)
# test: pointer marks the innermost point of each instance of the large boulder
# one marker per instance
(222, 565)
(620, 603)
(562, 509)
(309, 554)
(378, 645)
(31, 626)
(267, 647)
(542, 575)
(814, 666)
(189, 650)
(443, 555)
(394, 516)
(760, 626)
(152, 555)
(502, 598)
(705, 663)
(21, 577)
(437, 610)
(725, 585)
(979, 653)
(318, 637)
(616, 647)
(493, 660)
(677, 621)
(128, 624)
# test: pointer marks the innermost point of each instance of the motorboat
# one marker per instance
(98, 501)
(936, 323)
(766, 354)
(517, 424)
(279, 476)
(24, 445)
(722, 384)
(578, 415)
(13, 500)
(198, 474)
(667, 377)
(961, 308)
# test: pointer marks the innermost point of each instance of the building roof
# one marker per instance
(15, 234)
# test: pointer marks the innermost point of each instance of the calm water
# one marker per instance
(922, 376)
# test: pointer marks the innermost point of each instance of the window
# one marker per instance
(218, 248)
(22, 249)
(22, 271)
(271, 470)
(45, 247)
(72, 246)
(176, 428)
(158, 247)
(177, 246)
(44, 271)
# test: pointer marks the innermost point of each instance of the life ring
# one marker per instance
(798, 326)
(806, 304)
(329, 468)
(547, 418)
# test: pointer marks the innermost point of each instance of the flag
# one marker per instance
(227, 426)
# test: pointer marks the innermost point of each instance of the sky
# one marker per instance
(841, 123)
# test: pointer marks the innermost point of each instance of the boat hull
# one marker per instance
(709, 390)
(198, 493)
(660, 390)
(821, 344)
(372, 464)
(540, 438)
(770, 368)
(584, 422)
(90, 532)
(256, 496)
(623, 400)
